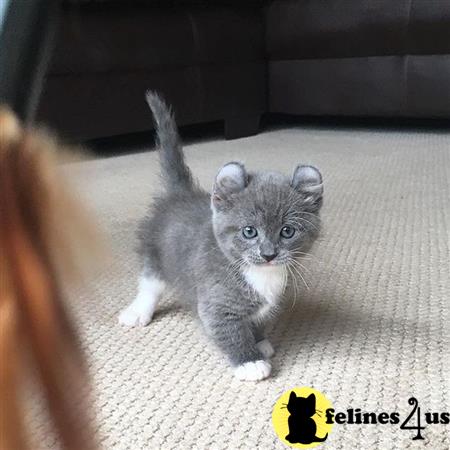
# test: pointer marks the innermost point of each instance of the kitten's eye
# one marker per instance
(249, 232)
(287, 232)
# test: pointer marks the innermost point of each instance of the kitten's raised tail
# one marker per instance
(175, 173)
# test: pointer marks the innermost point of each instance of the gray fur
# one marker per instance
(193, 240)
(175, 174)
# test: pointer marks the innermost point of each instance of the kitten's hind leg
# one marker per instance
(140, 311)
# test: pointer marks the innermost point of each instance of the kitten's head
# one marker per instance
(302, 406)
(266, 218)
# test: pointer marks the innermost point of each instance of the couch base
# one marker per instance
(241, 126)
(402, 86)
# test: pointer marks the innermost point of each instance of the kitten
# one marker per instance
(230, 252)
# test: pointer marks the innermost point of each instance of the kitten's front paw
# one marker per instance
(253, 371)
(132, 317)
(265, 347)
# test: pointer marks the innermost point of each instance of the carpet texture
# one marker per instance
(371, 331)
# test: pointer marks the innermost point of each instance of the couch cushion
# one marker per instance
(147, 38)
(301, 29)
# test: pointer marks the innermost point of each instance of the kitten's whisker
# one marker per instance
(294, 279)
(298, 252)
(307, 257)
(298, 271)
(302, 257)
(306, 269)
(301, 277)
(285, 278)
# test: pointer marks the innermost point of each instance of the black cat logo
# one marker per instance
(302, 427)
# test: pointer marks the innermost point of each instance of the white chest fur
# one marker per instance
(269, 283)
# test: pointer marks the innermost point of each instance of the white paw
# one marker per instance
(253, 371)
(265, 347)
(132, 317)
(140, 311)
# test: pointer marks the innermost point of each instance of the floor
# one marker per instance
(371, 331)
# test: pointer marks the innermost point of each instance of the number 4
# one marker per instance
(413, 402)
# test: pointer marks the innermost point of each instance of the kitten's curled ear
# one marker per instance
(231, 178)
(307, 180)
(292, 396)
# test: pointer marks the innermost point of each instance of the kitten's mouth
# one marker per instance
(276, 262)
(273, 263)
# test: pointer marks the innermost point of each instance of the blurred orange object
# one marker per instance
(41, 232)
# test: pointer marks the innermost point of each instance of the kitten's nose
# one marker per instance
(267, 257)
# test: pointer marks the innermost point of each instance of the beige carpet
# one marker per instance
(372, 330)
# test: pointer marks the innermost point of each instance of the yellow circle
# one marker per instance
(299, 417)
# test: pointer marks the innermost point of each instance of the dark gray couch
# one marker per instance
(359, 58)
(233, 60)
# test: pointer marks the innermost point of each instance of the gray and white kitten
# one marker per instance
(231, 253)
